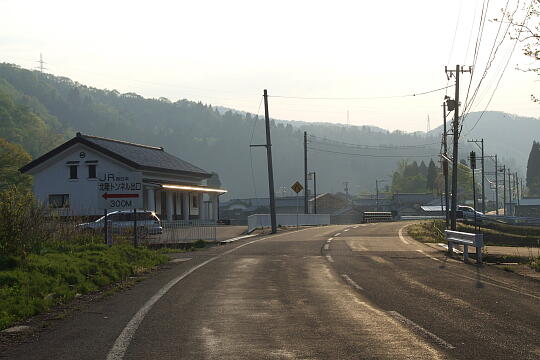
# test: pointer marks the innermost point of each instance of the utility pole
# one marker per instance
(496, 187)
(268, 147)
(377, 192)
(445, 165)
(346, 183)
(504, 189)
(455, 135)
(483, 173)
(509, 192)
(306, 191)
(41, 63)
(314, 191)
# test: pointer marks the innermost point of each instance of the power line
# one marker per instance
(373, 155)
(504, 69)
(361, 98)
(327, 141)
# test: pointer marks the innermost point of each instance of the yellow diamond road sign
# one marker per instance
(297, 187)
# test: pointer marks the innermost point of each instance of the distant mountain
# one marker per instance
(218, 139)
(298, 123)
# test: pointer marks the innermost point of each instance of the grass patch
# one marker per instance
(427, 231)
(38, 282)
(535, 263)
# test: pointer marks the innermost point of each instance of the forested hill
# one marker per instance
(39, 111)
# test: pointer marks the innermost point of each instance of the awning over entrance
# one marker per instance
(194, 188)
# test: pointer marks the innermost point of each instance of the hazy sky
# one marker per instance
(226, 52)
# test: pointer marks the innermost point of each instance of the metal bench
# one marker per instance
(465, 239)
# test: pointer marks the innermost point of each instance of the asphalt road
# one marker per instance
(337, 292)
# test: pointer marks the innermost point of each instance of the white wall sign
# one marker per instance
(120, 190)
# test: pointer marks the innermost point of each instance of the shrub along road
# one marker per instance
(324, 293)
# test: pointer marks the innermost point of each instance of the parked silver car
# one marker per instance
(147, 222)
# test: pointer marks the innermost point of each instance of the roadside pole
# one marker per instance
(297, 211)
(105, 227)
(445, 167)
(496, 187)
(472, 158)
(135, 242)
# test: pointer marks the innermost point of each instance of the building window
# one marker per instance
(91, 171)
(59, 201)
(73, 171)
(194, 202)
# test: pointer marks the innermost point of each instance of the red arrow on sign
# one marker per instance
(119, 196)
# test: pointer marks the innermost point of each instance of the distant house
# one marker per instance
(237, 210)
(528, 207)
(66, 178)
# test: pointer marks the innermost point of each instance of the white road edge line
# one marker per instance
(330, 239)
(121, 344)
(329, 258)
(345, 230)
(351, 282)
(337, 234)
(326, 246)
(417, 327)
(426, 254)
(401, 237)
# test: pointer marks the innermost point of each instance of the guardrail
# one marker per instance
(377, 216)
(263, 220)
(465, 239)
(513, 220)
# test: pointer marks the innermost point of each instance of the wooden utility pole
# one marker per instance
(496, 187)
(455, 135)
(268, 147)
(306, 191)
(509, 192)
(504, 189)
(445, 167)
(270, 167)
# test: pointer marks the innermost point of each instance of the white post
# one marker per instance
(151, 199)
(214, 202)
(201, 206)
(169, 205)
(185, 210)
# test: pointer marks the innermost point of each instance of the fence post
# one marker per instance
(135, 228)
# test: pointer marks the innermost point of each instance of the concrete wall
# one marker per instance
(263, 220)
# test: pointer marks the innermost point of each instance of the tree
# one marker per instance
(431, 178)
(527, 31)
(533, 170)
(423, 168)
(13, 157)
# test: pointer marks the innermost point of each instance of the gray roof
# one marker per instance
(529, 202)
(142, 157)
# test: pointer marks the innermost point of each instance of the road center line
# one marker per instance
(351, 282)
(329, 258)
(123, 340)
(337, 234)
(345, 230)
(401, 237)
(420, 329)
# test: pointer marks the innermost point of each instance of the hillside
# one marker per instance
(216, 140)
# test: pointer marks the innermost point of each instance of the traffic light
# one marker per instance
(472, 157)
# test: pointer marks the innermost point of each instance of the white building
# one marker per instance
(66, 178)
